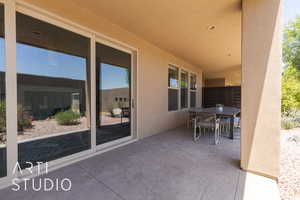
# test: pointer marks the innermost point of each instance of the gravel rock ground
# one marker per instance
(289, 179)
(50, 127)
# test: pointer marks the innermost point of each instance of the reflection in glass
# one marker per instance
(173, 77)
(53, 103)
(2, 97)
(193, 99)
(172, 88)
(172, 99)
(184, 89)
(113, 94)
(193, 88)
(193, 82)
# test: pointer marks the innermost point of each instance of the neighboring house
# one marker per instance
(114, 98)
(44, 96)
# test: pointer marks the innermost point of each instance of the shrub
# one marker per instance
(288, 123)
(2, 117)
(24, 119)
(290, 92)
(68, 117)
(2, 122)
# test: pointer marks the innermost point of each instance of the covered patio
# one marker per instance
(165, 166)
(150, 59)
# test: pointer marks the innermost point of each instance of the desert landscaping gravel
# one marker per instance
(50, 127)
(289, 179)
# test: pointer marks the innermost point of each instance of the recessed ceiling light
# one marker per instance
(212, 27)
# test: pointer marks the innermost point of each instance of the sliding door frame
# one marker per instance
(133, 69)
(13, 6)
(10, 84)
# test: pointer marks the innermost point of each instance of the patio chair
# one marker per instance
(125, 113)
(224, 125)
(205, 122)
(191, 117)
(237, 121)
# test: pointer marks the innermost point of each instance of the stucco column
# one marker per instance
(261, 73)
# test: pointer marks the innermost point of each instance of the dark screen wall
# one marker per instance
(228, 96)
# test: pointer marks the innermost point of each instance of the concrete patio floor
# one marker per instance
(167, 166)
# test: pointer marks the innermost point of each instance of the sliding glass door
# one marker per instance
(2, 97)
(53, 91)
(113, 94)
(59, 116)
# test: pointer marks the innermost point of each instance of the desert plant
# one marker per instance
(68, 117)
(288, 123)
(2, 117)
(2, 122)
(24, 119)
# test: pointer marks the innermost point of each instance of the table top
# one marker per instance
(227, 111)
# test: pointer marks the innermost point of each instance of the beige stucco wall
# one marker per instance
(232, 76)
(261, 60)
(153, 115)
(214, 82)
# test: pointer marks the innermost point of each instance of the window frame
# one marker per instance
(188, 86)
(133, 91)
(6, 79)
(170, 66)
(192, 90)
(189, 73)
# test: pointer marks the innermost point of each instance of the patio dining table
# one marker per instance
(230, 112)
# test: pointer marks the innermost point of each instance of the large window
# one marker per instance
(53, 91)
(184, 89)
(173, 88)
(193, 90)
(2, 98)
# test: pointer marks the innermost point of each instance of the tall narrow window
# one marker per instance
(184, 89)
(193, 90)
(2, 97)
(172, 88)
(53, 91)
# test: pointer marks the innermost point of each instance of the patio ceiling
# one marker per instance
(180, 27)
